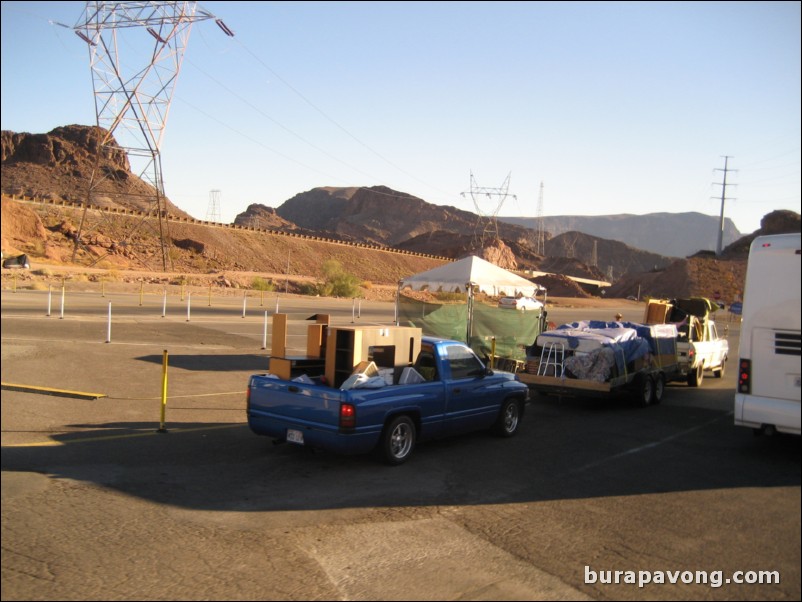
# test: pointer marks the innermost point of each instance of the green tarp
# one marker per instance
(514, 330)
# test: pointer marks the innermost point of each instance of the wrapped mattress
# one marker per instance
(623, 342)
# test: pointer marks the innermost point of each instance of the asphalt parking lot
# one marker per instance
(97, 504)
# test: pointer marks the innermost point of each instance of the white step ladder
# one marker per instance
(552, 356)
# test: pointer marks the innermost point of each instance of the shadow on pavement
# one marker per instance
(563, 451)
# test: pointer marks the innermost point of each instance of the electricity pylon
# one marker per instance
(213, 211)
(488, 202)
(132, 98)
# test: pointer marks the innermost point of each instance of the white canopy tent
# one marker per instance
(482, 275)
(469, 276)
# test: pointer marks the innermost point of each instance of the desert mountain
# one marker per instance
(385, 217)
(312, 227)
(667, 234)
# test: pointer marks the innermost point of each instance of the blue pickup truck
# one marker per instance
(457, 393)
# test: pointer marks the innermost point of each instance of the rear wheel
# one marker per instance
(719, 372)
(659, 387)
(695, 378)
(398, 440)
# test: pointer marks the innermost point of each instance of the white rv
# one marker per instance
(767, 396)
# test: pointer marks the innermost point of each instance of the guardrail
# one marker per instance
(197, 222)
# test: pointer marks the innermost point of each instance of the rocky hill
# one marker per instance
(59, 165)
(378, 215)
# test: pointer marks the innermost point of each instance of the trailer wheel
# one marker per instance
(659, 387)
(644, 390)
(695, 378)
(719, 372)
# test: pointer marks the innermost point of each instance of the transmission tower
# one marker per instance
(488, 202)
(213, 212)
(723, 184)
(540, 241)
(132, 100)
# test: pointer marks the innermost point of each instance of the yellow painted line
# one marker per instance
(127, 436)
(49, 391)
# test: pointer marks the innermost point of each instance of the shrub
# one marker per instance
(338, 283)
(260, 284)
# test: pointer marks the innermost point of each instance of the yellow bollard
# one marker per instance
(210, 295)
(162, 428)
(492, 353)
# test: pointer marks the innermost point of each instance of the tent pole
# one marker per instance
(397, 303)
(469, 291)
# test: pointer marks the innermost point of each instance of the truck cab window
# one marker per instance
(426, 366)
(464, 364)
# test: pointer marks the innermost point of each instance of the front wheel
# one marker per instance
(398, 440)
(509, 419)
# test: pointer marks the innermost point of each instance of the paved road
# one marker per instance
(96, 504)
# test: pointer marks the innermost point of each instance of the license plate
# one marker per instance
(294, 436)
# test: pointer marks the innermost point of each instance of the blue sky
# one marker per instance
(615, 107)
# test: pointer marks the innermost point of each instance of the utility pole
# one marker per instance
(724, 197)
(540, 244)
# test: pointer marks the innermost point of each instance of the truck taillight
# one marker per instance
(745, 376)
(347, 416)
(248, 397)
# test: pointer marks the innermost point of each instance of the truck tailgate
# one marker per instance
(295, 400)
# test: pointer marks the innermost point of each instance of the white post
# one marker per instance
(61, 317)
(49, 299)
(276, 304)
(189, 298)
(244, 305)
(353, 308)
(108, 330)
(164, 303)
(264, 334)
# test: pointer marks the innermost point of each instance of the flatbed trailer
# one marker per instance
(604, 359)
(645, 385)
